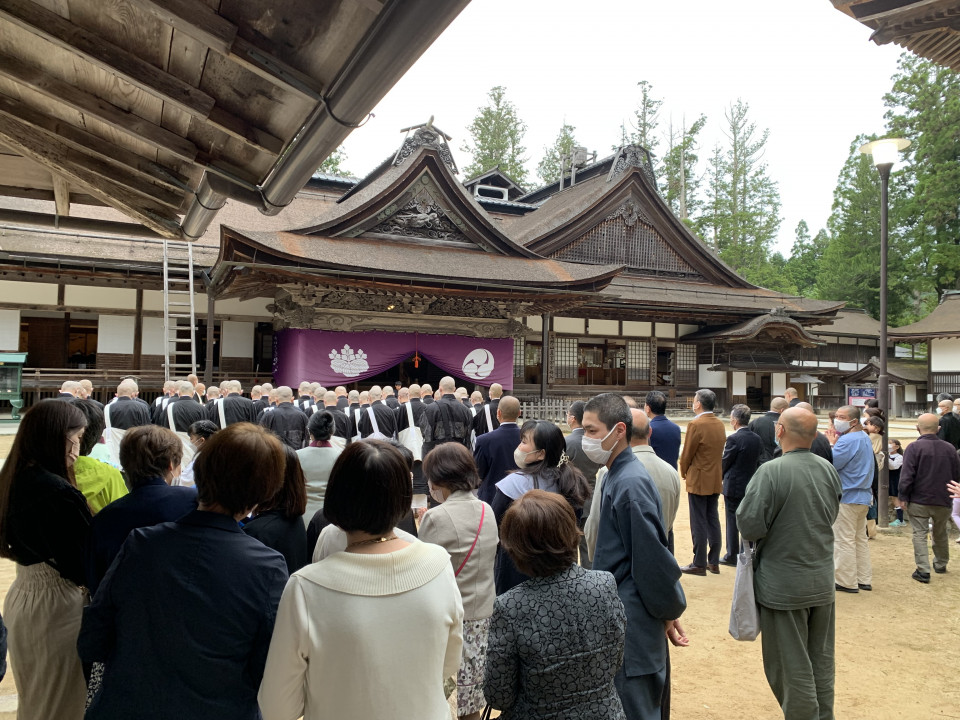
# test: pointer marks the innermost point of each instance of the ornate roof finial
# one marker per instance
(426, 135)
(632, 156)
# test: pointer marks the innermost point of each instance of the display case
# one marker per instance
(11, 383)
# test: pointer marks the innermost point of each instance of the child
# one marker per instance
(896, 461)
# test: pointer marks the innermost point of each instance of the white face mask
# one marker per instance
(520, 457)
(841, 426)
(593, 448)
(939, 411)
(436, 493)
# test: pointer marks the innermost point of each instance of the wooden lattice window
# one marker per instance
(638, 246)
(945, 382)
(519, 352)
(564, 358)
(638, 360)
(531, 353)
(685, 359)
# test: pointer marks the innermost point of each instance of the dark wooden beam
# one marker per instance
(61, 194)
(60, 158)
(890, 32)
(92, 144)
(89, 104)
(126, 65)
(47, 195)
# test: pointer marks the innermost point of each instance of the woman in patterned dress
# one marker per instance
(555, 641)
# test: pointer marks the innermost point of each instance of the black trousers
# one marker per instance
(733, 535)
(705, 529)
(584, 554)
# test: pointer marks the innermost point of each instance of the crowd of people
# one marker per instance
(212, 555)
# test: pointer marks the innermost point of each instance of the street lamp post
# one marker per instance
(885, 153)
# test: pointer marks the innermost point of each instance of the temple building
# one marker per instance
(582, 286)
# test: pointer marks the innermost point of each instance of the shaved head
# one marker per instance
(508, 409)
(284, 394)
(447, 385)
(496, 390)
(414, 390)
(329, 398)
(127, 388)
(779, 404)
(804, 406)
(929, 423)
(799, 428)
(640, 433)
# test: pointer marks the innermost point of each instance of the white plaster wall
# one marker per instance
(712, 378)
(115, 334)
(152, 342)
(28, 292)
(100, 297)
(910, 393)
(236, 339)
(610, 328)
(9, 330)
(256, 307)
(945, 355)
(569, 325)
(739, 383)
(778, 383)
(535, 322)
(664, 330)
(632, 328)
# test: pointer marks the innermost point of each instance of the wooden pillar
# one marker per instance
(138, 332)
(208, 368)
(544, 354)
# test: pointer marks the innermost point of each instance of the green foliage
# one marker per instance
(849, 268)
(741, 217)
(678, 179)
(803, 265)
(924, 106)
(496, 138)
(549, 168)
(333, 165)
(645, 122)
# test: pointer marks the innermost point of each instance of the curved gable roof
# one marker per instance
(567, 216)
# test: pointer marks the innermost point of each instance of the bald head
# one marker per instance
(414, 391)
(790, 393)
(404, 395)
(329, 399)
(779, 404)
(447, 385)
(127, 388)
(284, 394)
(508, 410)
(928, 423)
(804, 406)
(426, 390)
(945, 406)
(375, 393)
(266, 388)
(496, 391)
(630, 401)
(185, 388)
(799, 429)
(365, 398)
(640, 433)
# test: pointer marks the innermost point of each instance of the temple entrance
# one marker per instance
(408, 372)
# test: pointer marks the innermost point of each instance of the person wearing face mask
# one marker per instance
(199, 432)
(632, 546)
(949, 424)
(854, 461)
(465, 527)
(45, 528)
(542, 464)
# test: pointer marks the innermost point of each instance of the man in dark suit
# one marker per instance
(445, 420)
(236, 408)
(701, 469)
(486, 418)
(286, 421)
(386, 421)
(664, 435)
(494, 451)
(765, 425)
(125, 412)
(741, 458)
(388, 398)
(791, 396)
(584, 464)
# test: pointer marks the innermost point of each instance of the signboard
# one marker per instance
(859, 395)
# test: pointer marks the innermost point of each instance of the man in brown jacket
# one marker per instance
(700, 465)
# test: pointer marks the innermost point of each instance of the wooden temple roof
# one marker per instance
(775, 327)
(899, 372)
(928, 28)
(943, 322)
(164, 108)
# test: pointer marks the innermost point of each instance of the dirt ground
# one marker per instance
(898, 647)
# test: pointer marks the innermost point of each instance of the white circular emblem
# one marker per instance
(478, 364)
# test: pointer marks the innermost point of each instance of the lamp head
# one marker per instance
(885, 151)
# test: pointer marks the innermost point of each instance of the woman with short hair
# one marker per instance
(556, 641)
(542, 464)
(151, 458)
(183, 618)
(99, 482)
(45, 528)
(370, 632)
(465, 527)
(278, 522)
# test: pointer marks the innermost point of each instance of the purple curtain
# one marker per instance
(336, 358)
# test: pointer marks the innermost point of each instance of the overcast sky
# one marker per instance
(808, 72)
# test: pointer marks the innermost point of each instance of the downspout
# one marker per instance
(398, 37)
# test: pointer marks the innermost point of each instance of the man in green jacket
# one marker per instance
(788, 511)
